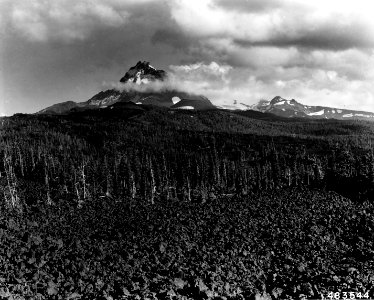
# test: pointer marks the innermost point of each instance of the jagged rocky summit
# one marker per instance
(143, 72)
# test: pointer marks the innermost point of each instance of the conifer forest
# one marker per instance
(154, 203)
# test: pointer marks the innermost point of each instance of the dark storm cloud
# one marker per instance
(327, 37)
(191, 48)
(320, 25)
(249, 5)
(174, 37)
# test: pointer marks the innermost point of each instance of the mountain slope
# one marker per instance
(105, 98)
(59, 108)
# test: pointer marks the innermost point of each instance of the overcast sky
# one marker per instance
(318, 52)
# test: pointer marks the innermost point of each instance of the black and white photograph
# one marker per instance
(186, 149)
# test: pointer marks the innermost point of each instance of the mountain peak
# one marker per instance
(294, 109)
(143, 64)
(143, 72)
(277, 99)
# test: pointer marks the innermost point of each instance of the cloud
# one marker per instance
(326, 35)
(280, 24)
(174, 37)
(249, 5)
(202, 72)
(319, 51)
(64, 19)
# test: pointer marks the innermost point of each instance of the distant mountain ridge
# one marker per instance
(294, 109)
(143, 73)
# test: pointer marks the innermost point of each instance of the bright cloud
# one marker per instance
(290, 23)
(63, 19)
(201, 72)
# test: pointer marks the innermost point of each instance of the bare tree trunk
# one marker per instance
(46, 181)
(153, 183)
(188, 190)
(11, 192)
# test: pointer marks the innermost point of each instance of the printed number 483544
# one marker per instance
(345, 295)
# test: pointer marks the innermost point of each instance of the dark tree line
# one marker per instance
(193, 157)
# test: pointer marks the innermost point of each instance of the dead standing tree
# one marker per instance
(11, 196)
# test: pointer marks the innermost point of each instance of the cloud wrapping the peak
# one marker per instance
(201, 72)
(198, 78)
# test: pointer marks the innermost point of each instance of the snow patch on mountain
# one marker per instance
(365, 116)
(347, 115)
(175, 99)
(185, 107)
(317, 113)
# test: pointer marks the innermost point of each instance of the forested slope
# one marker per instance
(157, 153)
